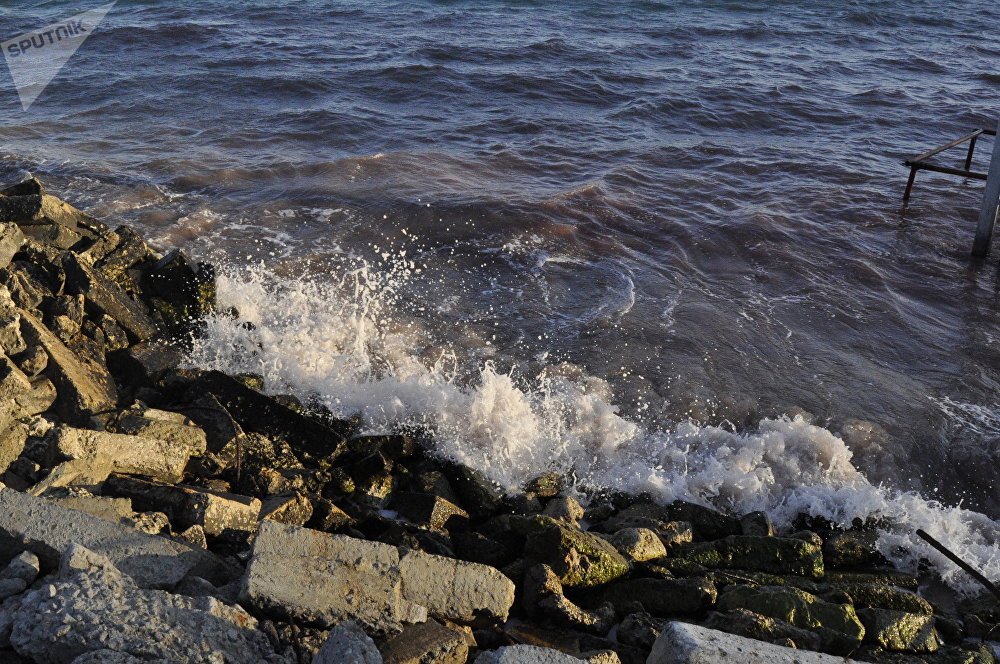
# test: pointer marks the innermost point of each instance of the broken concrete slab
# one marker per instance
(47, 529)
(84, 387)
(11, 240)
(527, 655)
(294, 510)
(188, 506)
(174, 432)
(323, 579)
(454, 589)
(681, 643)
(134, 455)
(104, 297)
(91, 605)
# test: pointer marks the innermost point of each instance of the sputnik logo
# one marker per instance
(35, 58)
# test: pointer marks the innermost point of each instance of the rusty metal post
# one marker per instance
(972, 148)
(991, 200)
(909, 184)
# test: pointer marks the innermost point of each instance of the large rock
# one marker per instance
(213, 511)
(105, 298)
(92, 606)
(46, 529)
(454, 589)
(898, 630)
(681, 643)
(85, 388)
(661, 597)
(581, 559)
(171, 428)
(324, 579)
(137, 455)
(763, 628)
(776, 555)
(11, 239)
(426, 643)
(526, 655)
(837, 625)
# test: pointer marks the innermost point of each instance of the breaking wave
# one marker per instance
(345, 343)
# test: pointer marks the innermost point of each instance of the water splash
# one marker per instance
(345, 343)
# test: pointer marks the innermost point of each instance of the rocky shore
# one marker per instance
(155, 513)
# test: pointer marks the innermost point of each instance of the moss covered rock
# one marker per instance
(763, 628)
(899, 630)
(837, 625)
(579, 558)
(775, 555)
(877, 596)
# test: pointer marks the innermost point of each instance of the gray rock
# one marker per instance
(348, 644)
(137, 455)
(757, 524)
(681, 643)
(426, 643)
(112, 657)
(454, 589)
(177, 431)
(81, 500)
(105, 298)
(24, 567)
(85, 387)
(11, 239)
(91, 605)
(526, 655)
(46, 529)
(324, 579)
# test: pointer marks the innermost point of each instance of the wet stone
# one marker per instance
(430, 510)
(638, 544)
(899, 631)
(776, 555)
(708, 524)
(660, 597)
(579, 558)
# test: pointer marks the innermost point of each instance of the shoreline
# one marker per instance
(132, 482)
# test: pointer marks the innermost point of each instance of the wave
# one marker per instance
(349, 344)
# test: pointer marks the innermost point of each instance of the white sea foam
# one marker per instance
(342, 343)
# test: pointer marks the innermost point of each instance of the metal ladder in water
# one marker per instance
(991, 197)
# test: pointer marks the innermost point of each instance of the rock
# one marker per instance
(46, 529)
(112, 657)
(53, 235)
(85, 388)
(757, 524)
(13, 436)
(480, 497)
(143, 364)
(11, 239)
(898, 630)
(638, 544)
(258, 413)
(542, 595)
(899, 579)
(294, 510)
(837, 625)
(776, 555)
(640, 630)
(323, 579)
(454, 589)
(546, 486)
(122, 453)
(426, 643)
(175, 433)
(91, 605)
(429, 510)
(661, 597)
(19, 574)
(187, 506)
(681, 643)
(763, 628)
(105, 298)
(30, 187)
(579, 558)
(183, 295)
(348, 644)
(886, 597)
(326, 516)
(708, 524)
(853, 549)
(81, 500)
(129, 250)
(526, 655)
(564, 508)
(601, 657)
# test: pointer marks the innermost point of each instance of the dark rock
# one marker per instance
(219, 426)
(394, 447)
(757, 524)
(104, 297)
(777, 555)
(543, 597)
(579, 558)
(480, 497)
(763, 628)
(30, 187)
(853, 549)
(11, 240)
(430, 510)
(327, 517)
(256, 412)
(886, 597)
(564, 508)
(129, 250)
(183, 294)
(53, 235)
(888, 578)
(294, 510)
(479, 548)
(426, 643)
(708, 524)
(548, 485)
(640, 630)
(660, 597)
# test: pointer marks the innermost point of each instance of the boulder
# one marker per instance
(187, 506)
(775, 555)
(480, 497)
(85, 388)
(19, 574)
(564, 508)
(11, 239)
(542, 596)
(46, 529)
(660, 597)
(91, 605)
(426, 643)
(638, 544)
(137, 455)
(294, 510)
(879, 596)
(454, 589)
(581, 559)
(763, 628)
(757, 524)
(898, 630)
(181, 293)
(708, 524)
(347, 644)
(526, 655)
(681, 643)
(105, 298)
(837, 625)
(177, 431)
(853, 549)
(323, 579)
(143, 364)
